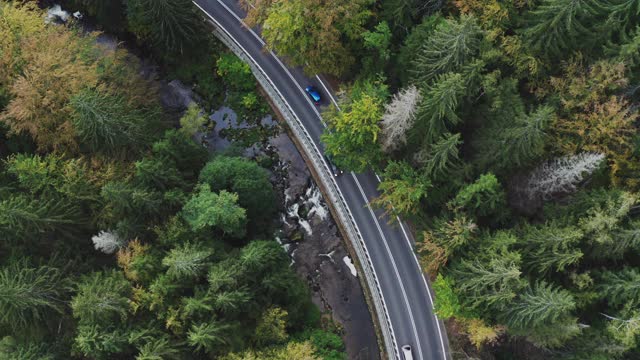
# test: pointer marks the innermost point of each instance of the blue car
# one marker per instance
(314, 94)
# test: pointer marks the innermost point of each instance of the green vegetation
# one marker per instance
(121, 238)
(510, 143)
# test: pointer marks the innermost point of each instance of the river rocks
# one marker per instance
(311, 237)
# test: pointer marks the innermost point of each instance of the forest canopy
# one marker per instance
(506, 133)
(121, 237)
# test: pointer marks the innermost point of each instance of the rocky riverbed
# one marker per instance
(313, 241)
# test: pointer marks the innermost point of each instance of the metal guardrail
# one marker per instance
(334, 193)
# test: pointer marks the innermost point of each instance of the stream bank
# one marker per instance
(305, 227)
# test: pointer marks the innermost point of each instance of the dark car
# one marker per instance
(314, 94)
(334, 168)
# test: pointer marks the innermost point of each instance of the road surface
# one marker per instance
(405, 290)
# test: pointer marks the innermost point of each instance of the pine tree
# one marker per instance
(272, 327)
(492, 283)
(206, 336)
(628, 51)
(451, 46)
(560, 25)
(158, 174)
(261, 257)
(100, 341)
(540, 305)
(197, 306)
(625, 327)
(106, 123)
(21, 216)
(177, 148)
(604, 218)
(561, 175)
(11, 349)
(620, 287)
(188, 261)
(484, 197)
(171, 24)
(102, 297)
(230, 302)
(398, 118)
(525, 141)
(442, 157)
(247, 179)
(29, 296)
(551, 247)
(159, 349)
(124, 200)
(437, 112)
(622, 13)
(403, 13)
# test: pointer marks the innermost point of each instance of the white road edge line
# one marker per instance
(393, 262)
(415, 258)
(333, 100)
(354, 177)
(239, 20)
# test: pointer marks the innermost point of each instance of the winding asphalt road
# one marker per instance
(405, 290)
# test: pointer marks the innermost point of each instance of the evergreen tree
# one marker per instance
(622, 13)
(551, 247)
(102, 297)
(207, 336)
(11, 349)
(207, 209)
(171, 24)
(249, 181)
(442, 158)
(495, 282)
(561, 175)
(620, 287)
(107, 242)
(451, 46)
(540, 305)
(29, 296)
(157, 173)
(187, 261)
(21, 216)
(482, 198)
(159, 349)
(437, 112)
(402, 13)
(232, 302)
(100, 341)
(178, 149)
(525, 141)
(561, 25)
(107, 123)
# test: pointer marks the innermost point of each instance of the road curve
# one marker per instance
(406, 292)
